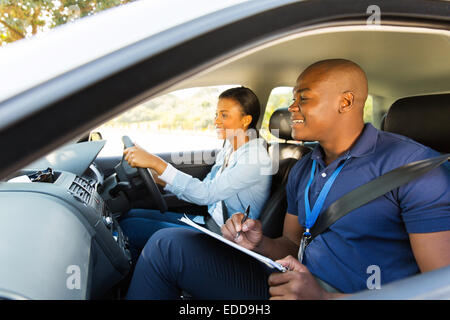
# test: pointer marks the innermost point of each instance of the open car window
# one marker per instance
(280, 97)
(181, 120)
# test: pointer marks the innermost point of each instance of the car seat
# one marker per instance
(424, 119)
(284, 155)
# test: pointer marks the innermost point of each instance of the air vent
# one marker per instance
(81, 190)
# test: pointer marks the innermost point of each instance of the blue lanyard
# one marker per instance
(311, 216)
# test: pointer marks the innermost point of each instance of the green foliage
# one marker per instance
(24, 18)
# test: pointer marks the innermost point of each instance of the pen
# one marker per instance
(243, 220)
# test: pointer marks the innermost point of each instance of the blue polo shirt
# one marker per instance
(376, 233)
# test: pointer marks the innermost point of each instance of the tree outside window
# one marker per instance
(21, 19)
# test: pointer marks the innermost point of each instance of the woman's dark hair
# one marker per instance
(248, 100)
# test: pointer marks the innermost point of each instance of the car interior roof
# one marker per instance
(399, 61)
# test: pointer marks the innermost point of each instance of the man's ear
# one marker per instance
(347, 102)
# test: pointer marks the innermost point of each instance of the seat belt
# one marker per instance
(211, 225)
(374, 189)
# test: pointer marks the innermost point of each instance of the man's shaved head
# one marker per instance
(329, 101)
(347, 75)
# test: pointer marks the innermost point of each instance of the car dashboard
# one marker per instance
(58, 239)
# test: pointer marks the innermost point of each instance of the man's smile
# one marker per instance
(297, 121)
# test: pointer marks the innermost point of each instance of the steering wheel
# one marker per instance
(145, 174)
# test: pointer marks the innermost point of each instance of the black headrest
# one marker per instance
(383, 121)
(425, 119)
(281, 120)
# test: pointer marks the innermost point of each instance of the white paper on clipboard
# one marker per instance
(269, 262)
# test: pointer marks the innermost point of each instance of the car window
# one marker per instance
(368, 110)
(281, 97)
(182, 120)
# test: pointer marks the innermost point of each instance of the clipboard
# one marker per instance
(267, 261)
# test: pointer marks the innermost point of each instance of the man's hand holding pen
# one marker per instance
(245, 232)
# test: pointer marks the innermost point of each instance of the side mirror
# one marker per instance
(95, 136)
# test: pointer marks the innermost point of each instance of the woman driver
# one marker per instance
(241, 175)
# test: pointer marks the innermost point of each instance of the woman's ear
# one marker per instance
(246, 120)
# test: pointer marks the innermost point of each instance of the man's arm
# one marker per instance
(253, 239)
(431, 250)
(298, 282)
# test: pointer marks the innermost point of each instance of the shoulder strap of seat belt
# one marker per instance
(374, 189)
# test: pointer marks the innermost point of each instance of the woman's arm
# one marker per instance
(240, 176)
(138, 157)
(217, 188)
(247, 171)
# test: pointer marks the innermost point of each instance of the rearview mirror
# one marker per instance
(95, 136)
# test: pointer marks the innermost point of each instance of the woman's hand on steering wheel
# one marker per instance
(144, 162)
(138, 157)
